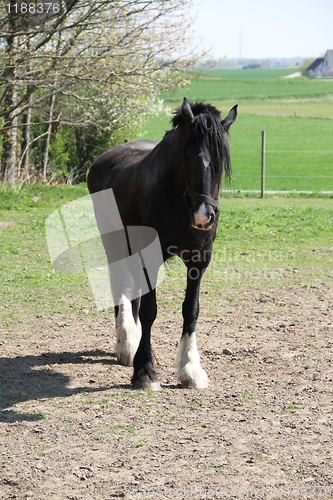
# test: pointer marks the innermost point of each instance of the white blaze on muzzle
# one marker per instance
(201, 216)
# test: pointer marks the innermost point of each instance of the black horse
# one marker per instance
(173, 187)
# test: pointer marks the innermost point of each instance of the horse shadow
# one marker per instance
(23, 379)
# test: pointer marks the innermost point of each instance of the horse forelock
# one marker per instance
(208, 130)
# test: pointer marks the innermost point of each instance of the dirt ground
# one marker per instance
(71, 427)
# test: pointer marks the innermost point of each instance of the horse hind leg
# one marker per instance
(128, 330)
(145, 376)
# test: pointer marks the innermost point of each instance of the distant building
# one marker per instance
(321, 67)
(252, 66)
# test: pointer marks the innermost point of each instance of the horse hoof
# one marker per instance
(153, 386)
(146, 378)
(195, 384)
(125, 359)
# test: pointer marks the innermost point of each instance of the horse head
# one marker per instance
(205, 156)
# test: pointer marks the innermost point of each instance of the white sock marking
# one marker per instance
(200, 216)
(128, 333)
(189, 371)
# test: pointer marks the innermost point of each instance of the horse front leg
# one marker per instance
(145, 376)
(189, 371)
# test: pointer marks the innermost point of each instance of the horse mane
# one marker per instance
(208, 129)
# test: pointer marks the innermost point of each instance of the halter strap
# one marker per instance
(201, 197)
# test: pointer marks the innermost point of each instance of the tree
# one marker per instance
(305, 64)
(84, 64)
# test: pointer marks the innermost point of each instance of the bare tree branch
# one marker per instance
(111, 57)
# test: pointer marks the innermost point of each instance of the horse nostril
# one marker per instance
(211, 219)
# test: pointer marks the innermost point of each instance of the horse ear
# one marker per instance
(187, 111)
(230, 118)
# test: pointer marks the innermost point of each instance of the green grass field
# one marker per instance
(252, 74)
(260, 244)
(239, 86)
(297, 115)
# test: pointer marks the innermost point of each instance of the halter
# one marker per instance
(202, 197)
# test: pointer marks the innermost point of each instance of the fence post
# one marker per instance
(263, 140)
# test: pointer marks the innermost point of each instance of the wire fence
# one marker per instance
(247, 169)
(306, 183)
(263, 170)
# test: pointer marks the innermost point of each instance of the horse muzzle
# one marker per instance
(203, 218)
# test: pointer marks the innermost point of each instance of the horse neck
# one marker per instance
(172, 147)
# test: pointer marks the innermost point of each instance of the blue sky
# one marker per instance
(270, 28)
